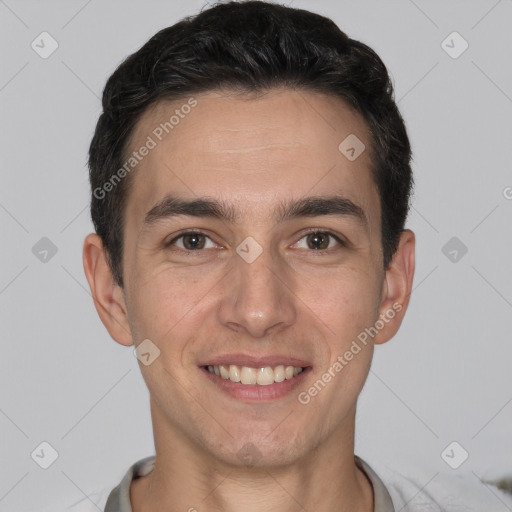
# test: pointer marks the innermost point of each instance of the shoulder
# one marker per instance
(91, 503)
(436, 491)
(97, 500)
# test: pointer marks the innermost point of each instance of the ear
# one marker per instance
(397, 288)
(107, 294)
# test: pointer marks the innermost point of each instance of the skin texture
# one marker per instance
(252, 152)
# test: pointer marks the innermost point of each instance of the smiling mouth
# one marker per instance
(263, 376)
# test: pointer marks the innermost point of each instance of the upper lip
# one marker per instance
(255, 361)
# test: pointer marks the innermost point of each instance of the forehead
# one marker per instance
(251, 151)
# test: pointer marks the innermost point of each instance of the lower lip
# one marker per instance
(255, 392)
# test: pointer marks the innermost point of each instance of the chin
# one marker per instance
(260, 451)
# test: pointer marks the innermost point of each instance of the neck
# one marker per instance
(186, 477)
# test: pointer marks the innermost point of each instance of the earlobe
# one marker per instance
(107, 295)
(397, 288)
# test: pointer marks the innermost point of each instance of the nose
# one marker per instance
(259, 298)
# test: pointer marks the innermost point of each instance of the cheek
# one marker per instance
(166, 300)
(163, 299)
(344, 299)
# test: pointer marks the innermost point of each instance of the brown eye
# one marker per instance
(192, 241)
(319, 241)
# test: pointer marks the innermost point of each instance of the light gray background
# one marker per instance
(445, 377)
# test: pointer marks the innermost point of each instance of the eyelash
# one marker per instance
(309, 232)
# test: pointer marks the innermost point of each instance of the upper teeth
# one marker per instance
(262, 376)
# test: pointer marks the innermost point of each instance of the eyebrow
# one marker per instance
(313, 206)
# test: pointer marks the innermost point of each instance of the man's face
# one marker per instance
(211, 298)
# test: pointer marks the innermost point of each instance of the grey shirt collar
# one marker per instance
(119, 497)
